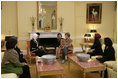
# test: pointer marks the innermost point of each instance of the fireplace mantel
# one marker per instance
(47, 34)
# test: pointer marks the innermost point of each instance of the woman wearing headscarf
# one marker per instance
(96, 49)
(109, 52)
(34, 46)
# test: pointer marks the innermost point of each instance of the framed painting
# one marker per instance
(94, 13)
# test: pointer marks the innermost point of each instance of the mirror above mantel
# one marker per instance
(47, 15)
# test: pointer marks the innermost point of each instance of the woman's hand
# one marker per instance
(99, 56)
(21, 52)
(25, 63)
(90, 51)
(40, 47)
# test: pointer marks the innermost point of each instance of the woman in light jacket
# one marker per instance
(66, 46)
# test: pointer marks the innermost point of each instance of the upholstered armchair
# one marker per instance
(8, 75)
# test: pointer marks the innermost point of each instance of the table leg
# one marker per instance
(103, 74)
(38, 76)
(69, 65)
(62, 76)
(84, 75)
(82, 48)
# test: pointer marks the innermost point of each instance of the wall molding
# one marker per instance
(73, 38)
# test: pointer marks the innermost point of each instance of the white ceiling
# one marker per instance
(49, 3)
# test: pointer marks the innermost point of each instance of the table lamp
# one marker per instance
(87, 36)
(93, 31)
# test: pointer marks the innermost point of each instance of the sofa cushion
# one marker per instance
(115, 67)
(115, 47)
(110, 64)
(111, 73)
(9, 75)
(2, 54)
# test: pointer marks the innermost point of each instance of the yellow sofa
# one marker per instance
(8, 75)
(110, 65)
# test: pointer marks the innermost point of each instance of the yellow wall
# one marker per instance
(25, 9)
(115, 29)
(107, 21)
(66, 10)
(15, 19)
(9, 18)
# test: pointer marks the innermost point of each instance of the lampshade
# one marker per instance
(93, 31)
(87, 35)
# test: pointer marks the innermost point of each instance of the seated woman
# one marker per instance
(66, 46)
(109, 52)
(35, 47)
(11, 63)
(59, 38)
(108, 55)
(21, 59)
(96, 49)
(26, 69)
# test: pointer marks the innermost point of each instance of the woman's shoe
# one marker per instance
(57, 57)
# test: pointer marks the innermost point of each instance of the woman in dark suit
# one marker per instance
(34, 46)
(109, 52)
(96, 49)
(58, 48)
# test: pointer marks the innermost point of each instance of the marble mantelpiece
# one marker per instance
(47, 34)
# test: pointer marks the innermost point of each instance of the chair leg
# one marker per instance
(30, 60)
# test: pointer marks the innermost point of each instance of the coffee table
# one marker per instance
(52, 69)
(91, 66)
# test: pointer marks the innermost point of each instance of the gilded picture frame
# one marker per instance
(94, 13)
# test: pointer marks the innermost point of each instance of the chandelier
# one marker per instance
(42, 12)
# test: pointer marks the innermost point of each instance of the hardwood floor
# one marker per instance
(74, 73)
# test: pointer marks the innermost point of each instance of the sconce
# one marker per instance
(61, 23)
(33, 22)
(42, 12)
